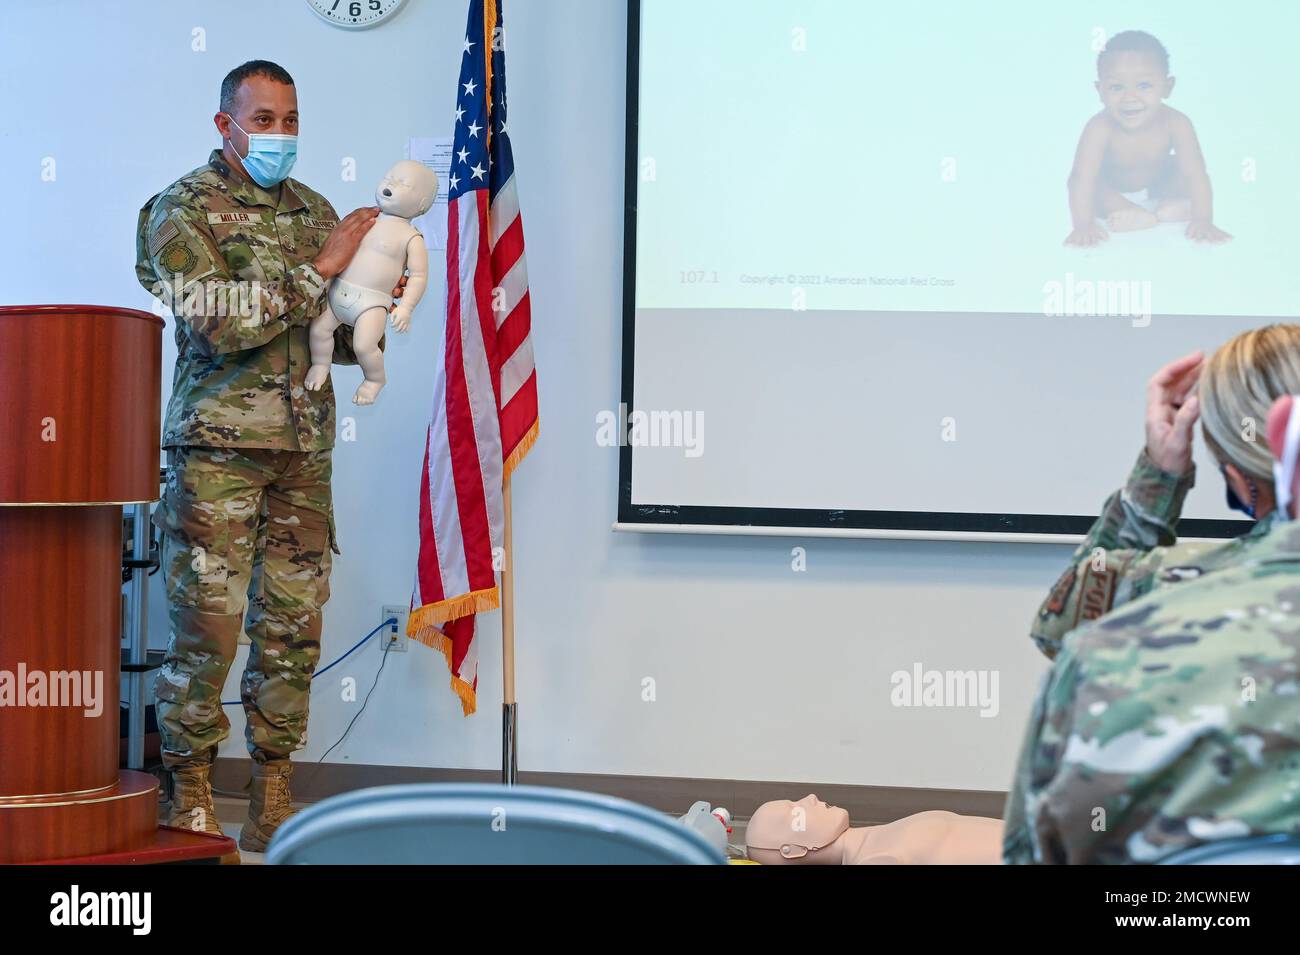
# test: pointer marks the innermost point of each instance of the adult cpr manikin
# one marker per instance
(361, 295)
(809, 832)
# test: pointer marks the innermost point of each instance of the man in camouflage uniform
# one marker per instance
(1170, 715)
(246, 517)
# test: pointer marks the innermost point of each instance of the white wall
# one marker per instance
(760, 672)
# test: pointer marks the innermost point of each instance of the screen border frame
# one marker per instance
(945, 525)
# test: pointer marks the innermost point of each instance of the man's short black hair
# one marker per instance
(230, 85)
(1135, 41)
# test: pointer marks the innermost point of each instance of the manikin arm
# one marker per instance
(417, 263)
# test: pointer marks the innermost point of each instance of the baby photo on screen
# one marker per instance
(1138, 162)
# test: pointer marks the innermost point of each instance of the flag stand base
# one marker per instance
(509, 740)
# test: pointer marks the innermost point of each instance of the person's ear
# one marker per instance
(1169, 86)
(222, 122)
(1096, 84)
(1239, 482)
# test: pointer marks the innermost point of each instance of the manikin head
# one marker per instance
(407, 190)
(782, 832)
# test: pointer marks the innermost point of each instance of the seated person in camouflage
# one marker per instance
(1171, 716)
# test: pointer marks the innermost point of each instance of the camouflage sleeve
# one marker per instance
(1114, 562)
(1018, 844)
(220, 313)
(1041, 819)
(1164, 727)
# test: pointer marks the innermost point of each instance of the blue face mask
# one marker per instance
(1236, 503)
(270, 156)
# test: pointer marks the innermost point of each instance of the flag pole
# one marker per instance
(509, 708)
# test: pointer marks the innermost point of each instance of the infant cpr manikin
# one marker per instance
(360, 296)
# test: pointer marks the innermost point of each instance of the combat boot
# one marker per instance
(268, 804)
(192, 806)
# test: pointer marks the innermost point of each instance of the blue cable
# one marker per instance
(391, 621)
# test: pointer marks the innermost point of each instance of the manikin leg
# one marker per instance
(365, 342)
(321, 337)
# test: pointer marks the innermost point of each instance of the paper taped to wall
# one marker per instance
(434, 152)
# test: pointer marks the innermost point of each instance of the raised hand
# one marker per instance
(343, 241)
(1172, 409)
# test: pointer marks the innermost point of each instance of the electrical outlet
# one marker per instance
(393, 638)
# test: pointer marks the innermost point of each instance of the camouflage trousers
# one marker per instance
(243, 530)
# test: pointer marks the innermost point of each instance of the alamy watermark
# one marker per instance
(53, 688)
(1098, 298)
(651, 429)
(75, 907)
(946, 688)
(218, 298)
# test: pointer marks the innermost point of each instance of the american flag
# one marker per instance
(485, 385)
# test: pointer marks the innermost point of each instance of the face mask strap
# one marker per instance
(1234, 502)
(232, 143)
(247, 134)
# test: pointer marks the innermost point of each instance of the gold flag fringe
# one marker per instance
(523, 447)
(422, 626)
(489, 31)
(435, 639)
(430, 615)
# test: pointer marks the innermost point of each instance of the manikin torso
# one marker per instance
(380, 260)
(809, 832)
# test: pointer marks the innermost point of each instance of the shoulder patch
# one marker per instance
(166, 232)
(177, 257)
(1060, 595)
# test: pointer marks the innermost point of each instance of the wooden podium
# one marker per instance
(79, 424)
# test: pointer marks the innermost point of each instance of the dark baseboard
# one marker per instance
(867, 805)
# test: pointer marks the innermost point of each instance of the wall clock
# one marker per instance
(354, 14)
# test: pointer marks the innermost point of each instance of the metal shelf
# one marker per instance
(153, 661)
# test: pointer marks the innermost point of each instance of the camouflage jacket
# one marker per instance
(1131, 550)
(234, 265)
(1172, 722)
